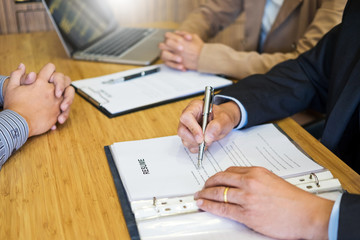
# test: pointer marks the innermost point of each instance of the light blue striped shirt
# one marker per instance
(14, 130)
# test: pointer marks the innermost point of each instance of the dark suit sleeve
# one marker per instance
(289, 87)
(349, 226)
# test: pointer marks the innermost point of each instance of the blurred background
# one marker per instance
(22, 16)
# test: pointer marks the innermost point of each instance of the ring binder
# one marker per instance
(311, 182)
(316, 179)
(149, 209)
(150, 216)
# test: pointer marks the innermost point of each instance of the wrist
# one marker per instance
(233, 111)
(319, 219)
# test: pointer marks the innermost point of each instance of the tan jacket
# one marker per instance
(298, 27)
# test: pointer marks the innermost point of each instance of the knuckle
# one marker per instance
(51, 65)
(184, 118)
(230, 169)
(181, 130)
(223, 209)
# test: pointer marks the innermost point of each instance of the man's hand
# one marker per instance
(266, 203)
(181, 50)
(41, 100)
(225, 117)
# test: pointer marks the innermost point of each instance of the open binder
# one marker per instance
(165, 215)
(137, 89)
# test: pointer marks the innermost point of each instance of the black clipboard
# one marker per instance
(110, 115)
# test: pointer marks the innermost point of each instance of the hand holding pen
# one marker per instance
(224, 118)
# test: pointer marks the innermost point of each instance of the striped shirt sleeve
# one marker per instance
(14, 130)
(2, 80)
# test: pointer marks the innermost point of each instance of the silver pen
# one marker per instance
(209, 93)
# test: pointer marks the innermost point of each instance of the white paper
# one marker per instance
(163, 167)
(167, 84)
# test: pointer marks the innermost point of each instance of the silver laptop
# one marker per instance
(88, 31)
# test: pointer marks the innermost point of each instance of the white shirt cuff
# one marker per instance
(334, 219)
(218, 99)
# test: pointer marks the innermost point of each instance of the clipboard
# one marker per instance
(115, 98)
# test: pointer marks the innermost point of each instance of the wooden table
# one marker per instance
(59, 186)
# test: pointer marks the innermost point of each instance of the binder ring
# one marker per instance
(225, 194)
(316, 179)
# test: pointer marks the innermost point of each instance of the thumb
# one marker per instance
(16, 76)
(29, 79)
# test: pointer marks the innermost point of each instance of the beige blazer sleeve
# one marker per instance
(212, 17)
(221, 59)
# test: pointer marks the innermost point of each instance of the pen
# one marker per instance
(209, 93)
(132, 76)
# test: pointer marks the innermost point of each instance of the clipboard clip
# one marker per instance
(82, 92)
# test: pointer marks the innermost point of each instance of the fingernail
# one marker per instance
(61, 119)
(64, 107)
(58, 93)
(199, 202)
(194, 150)
(21, 65)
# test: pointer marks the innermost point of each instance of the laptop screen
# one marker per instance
(81, 22)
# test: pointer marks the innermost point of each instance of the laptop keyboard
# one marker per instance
(119, 42)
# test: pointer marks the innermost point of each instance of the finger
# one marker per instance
(190, 119)
(64, 116)
(65, 105)
(227, 178)
(188, 138)
(169, 56)
(16, 76)
(61, 82)
(68, 98)
(46, 72)
(173, 36)
(220, 126)
(227, 210)
(176, 66)
(185, 35)
(217, 194)
(233, 195)
(164, 47)
(29, 79)
(174, 45)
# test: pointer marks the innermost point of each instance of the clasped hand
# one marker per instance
(42, 99)
(181, 50)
